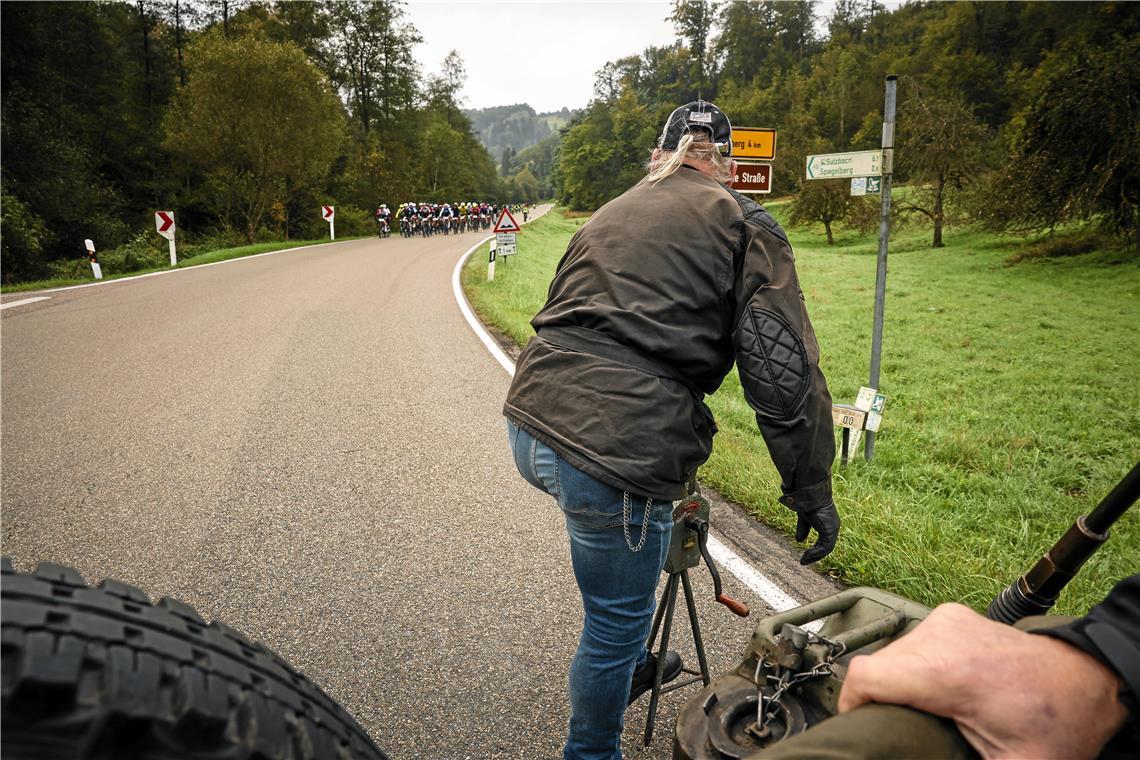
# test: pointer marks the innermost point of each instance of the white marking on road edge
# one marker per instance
(469, 315)
(23, 301)
(757, 582)
(189, 268)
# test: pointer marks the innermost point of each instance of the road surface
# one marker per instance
(309, 447)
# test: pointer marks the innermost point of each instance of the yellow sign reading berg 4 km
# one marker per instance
(753, 142)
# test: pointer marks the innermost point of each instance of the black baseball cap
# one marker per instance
(700, 114)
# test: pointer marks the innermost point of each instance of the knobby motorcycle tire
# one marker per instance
(102, 673)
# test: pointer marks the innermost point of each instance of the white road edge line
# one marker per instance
(23, 301)
(469, 314)
(192, 268)
(757, 582)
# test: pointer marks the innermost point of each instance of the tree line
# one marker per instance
(244, 117)
(1020, 116)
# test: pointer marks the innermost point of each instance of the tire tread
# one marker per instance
(89, 669)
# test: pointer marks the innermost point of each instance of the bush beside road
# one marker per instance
(1012, 402)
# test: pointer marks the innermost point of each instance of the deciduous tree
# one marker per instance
(1076, 146)
(259, 118)
(943, 149)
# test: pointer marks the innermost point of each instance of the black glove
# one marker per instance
(825, 520)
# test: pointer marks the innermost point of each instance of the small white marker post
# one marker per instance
(95, 268)
(328, 213)
(866, 414)
(491, 263)
(164, 224)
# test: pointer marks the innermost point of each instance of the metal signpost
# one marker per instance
(505, 229)
(874, 168)
(884, 237)
(328, 213)
(164, 223)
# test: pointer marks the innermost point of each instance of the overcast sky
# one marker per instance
(542, 53)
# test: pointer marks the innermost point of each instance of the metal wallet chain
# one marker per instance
(625, 514)
(786, 680)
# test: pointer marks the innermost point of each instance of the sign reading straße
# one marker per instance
(752, 178)
(754, 142)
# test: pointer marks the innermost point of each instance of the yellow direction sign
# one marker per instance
(753, 142)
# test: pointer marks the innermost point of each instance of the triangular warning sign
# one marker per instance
(506, 222)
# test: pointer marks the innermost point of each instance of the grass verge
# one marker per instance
(206, 257)
(1013, 403)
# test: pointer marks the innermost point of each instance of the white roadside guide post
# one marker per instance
(328, 213)
(869, 164)
(164, 224)
(95, 268)
(865, 414)
(491, 262)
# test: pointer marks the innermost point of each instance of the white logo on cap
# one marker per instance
(701, 118)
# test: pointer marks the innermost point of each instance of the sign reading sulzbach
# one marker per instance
(862, 163)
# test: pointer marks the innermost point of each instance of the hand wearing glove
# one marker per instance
(825, 520)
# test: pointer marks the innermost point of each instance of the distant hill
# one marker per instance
(515, 127)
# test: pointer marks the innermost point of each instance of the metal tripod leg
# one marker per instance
(664, 614)
(669, 602)
(697, 641)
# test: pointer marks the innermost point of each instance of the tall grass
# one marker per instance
(1013, 402)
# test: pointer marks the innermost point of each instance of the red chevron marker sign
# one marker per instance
(328, 213)
(164, 223)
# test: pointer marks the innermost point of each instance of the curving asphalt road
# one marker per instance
(309, 446)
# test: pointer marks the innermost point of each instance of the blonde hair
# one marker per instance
(693, 146)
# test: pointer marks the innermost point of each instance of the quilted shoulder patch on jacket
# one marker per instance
(773, 363)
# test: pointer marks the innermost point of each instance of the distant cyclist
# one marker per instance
(446, 217)
(426, 219)
(383, 220)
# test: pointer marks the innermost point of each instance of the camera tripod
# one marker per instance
(687, 545)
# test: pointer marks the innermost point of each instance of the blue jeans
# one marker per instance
(617, 584)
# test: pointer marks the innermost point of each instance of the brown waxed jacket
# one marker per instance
(657, 295)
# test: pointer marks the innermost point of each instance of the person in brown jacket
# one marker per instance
(658, 294)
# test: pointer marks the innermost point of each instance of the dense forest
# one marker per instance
(1020, 116)
(244, 117)
(506, 130)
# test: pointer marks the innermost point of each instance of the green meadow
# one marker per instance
(1012, 374)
